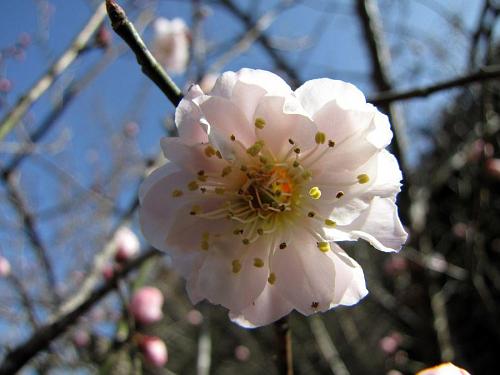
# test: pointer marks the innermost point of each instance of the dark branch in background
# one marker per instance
(482, 29)
(380, 59)
(30, 229)
(265, 41)
(149, 66)
(485, 73)
(77, 47)
(41, 339)
(284, 358)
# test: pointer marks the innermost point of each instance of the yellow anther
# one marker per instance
(260, 123)
(255, 148)
(291, 141)
(311, 214)
(209, 151)
(193, 185)
(202, 178)
(295, 164)
(232, 137)
(330, 223)
(236, 266)
(307, 175)
(243, 168)
(204, 245)
(320, 138)
(246, 241)
(220, 191)
(283, 245)
(176, 193)
(195, 210)
(272, 278)
(257, 262)
(363, 178)
(296, 150)
(219, 155)
(324, 246)
(340, 194)
(331, 143)
(314, 192)
(260, 231)
(226, 171)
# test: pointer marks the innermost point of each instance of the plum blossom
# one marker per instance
(444, 369)
(4, 267)
(171, 44)
(154, 350)
(262, 183)
(126, 243)
(146, 305)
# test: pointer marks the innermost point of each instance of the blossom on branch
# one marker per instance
(262, 183)
(171, 44)
(146, 305)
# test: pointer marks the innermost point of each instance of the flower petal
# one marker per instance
(314, 94)
(267, 308)
(305, 276)
(279, 126)
(187, 119)
(379, 224)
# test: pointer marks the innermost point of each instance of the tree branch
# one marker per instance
(77, 46)
(150, 67)
(41, 339)
(483, 74)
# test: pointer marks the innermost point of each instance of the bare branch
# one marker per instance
(150, 67)
(77, 46)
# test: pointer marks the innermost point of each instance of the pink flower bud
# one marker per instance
(4, 267)
(492, 167)
(108, 272)
(390, 344)
(127, 244)
(146, 305)
(154, 350)
(242, 353)
(194, 317)
(24, 39)
(103, 37)
(443, 369)
(81, 338)
(5, 85)
(395, 265)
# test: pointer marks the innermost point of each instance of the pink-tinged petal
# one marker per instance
(226, 119)
(270, 82)
(267, 308)
(350, 286)
(444, 369)
(158, 205)
(220, 284)
(223, 86)
(379, 224)
(279, 127)
(314, 94)
(191, 158)
(379, 132)
(188, 116)
(305, 276)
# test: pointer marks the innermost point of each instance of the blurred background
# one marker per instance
(80, 125)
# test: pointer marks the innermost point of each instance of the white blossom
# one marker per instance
(171, 44)
(262, 183)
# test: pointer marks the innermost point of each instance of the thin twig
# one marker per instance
(150, 67)
(284, 359)
(483, 74)
(41, 339)
(77, 46)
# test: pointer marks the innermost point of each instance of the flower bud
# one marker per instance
(127, 244)
(146, 305)
(443, 369)
(4, 267)
(154, 350)
(81, 338)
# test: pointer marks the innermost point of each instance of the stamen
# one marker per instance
(314, 192)
(363, 178)
(193, 185)
(236, 265)
(209, 151)
(331, 143)
(260, 123)
(272, 278)
(320, 138)
(257, 262)
(340, 194)
(283, 245)
(330, 223)
(311, 214)
(324, 246)
(220, 191)
(232, 137)
(177, 193)
(204, 245)
(225, 171)
(255, 148)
